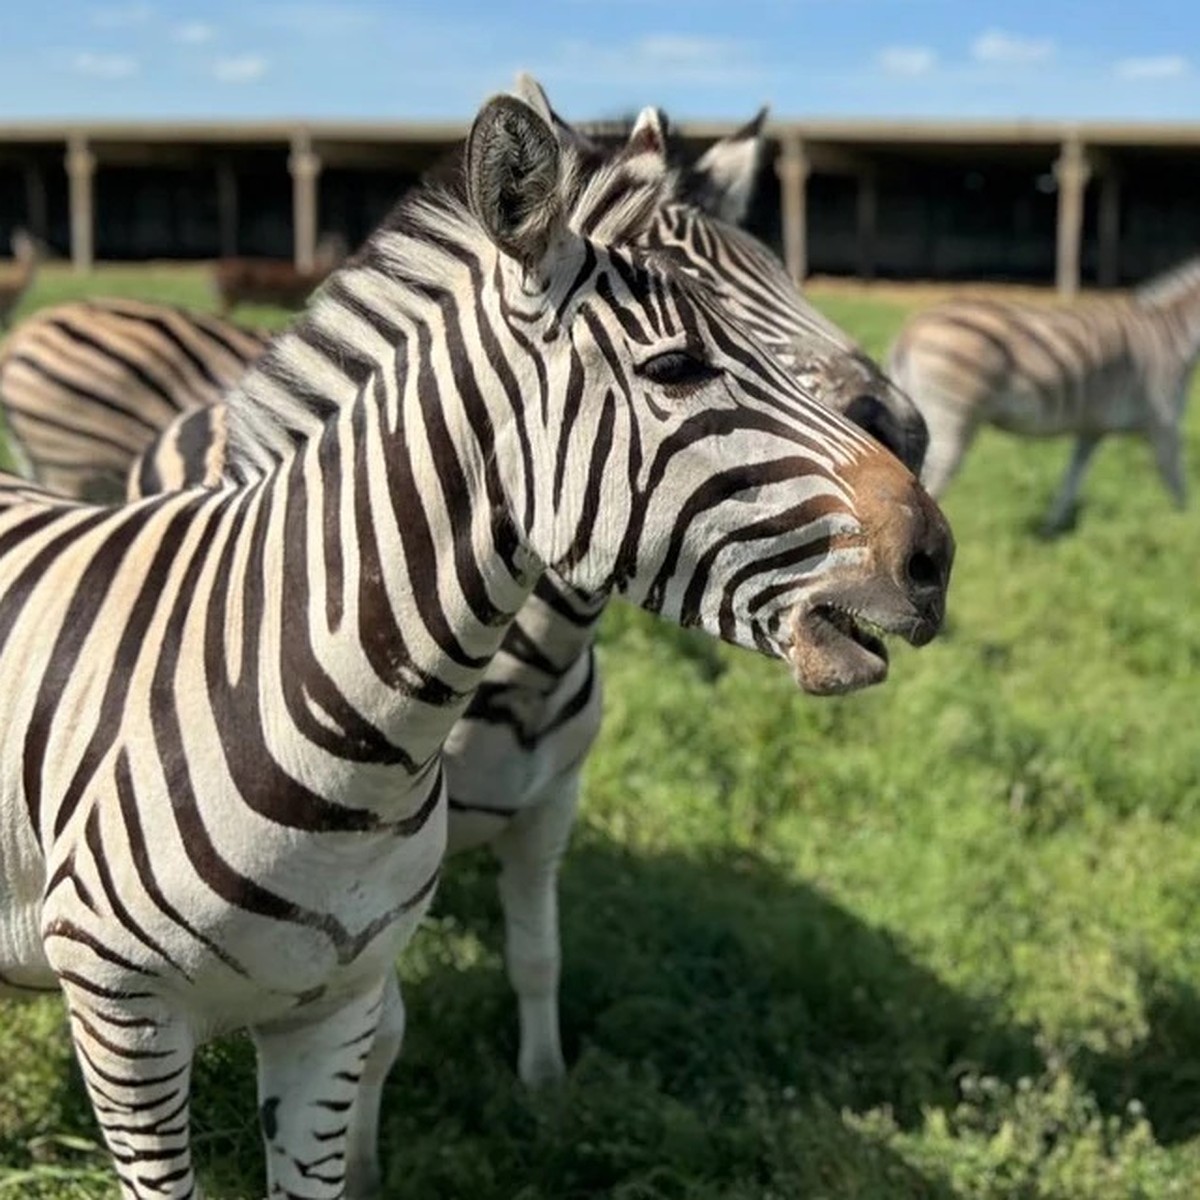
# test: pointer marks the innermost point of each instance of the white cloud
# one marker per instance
(239, 68)
(104, 66)
(121, 16)
(996, 47)
(680, 49)
(659, 58)
(194, 33)
(1162, 66)
(314, 18)
(910, 61)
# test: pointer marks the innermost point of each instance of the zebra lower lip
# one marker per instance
(836, 649)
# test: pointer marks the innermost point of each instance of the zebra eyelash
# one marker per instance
(679, 372)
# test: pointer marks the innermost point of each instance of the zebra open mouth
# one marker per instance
(858, 628)
(836, 649)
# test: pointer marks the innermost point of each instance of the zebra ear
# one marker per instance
(649, 134)
(723, 181)
(512, 175)
(528, 89)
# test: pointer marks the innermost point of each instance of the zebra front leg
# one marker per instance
(1168, 457)
(137, 1064)
(1061, 511)
(308, 1085)
(951, 432)
(530, 850)
(363, 1178)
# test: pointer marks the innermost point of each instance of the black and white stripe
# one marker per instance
(514, 761)
(1098, 367)
(86, 386)
(222, 801)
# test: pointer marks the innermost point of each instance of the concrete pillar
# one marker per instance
(35, 200)
(227, 208)
(81, 169)
(1072, 171)
(1109, 229)
(792, 168)
(305, 166)
(867, 219)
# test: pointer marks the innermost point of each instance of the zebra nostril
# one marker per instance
(922, 570)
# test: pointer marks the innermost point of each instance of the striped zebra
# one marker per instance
(1102, 366)
(86, 386)
(515, 760)
(223, 801)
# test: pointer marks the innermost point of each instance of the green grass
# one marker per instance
(934, 940)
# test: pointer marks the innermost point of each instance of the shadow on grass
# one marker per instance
(720, 1020)
(1162, 1072)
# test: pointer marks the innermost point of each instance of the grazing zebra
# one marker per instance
(86, 386)
(18, 279)
(222, 797)
(1113, 365)
(274, 281)
(514, 762)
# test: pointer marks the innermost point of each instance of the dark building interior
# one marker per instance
(942, 203)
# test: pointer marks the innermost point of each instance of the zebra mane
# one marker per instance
(313, 368)
(1169, 288)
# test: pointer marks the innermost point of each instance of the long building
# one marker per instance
(1085, 204)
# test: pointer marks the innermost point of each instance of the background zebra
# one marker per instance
(19, 277)
(86, 386)
(515, 760)
(530, 395)
(1114, 365)
(274, 281)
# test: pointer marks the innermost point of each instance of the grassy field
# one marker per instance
(935, 940)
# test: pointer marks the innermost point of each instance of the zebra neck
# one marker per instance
(1173, 303)
(1184, 318)
(395, 576)
(312, 370)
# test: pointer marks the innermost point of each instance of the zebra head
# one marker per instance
(704, 204)
(660, 449)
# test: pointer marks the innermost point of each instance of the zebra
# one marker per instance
(515, 760)
(262, 676)
(87, 385)
(17, 280)
(274, 281)
(1102, 366)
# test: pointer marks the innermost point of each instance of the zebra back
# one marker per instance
(86, 386)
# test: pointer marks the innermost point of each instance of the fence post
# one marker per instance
(1072, 172)
(792, 168)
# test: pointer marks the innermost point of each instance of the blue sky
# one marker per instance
(888, 58)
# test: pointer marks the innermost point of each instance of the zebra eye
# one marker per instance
(679, 371)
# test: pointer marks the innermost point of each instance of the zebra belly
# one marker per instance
(1106, 401)
(23, 963)
(24, 968)
(1032, 414)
